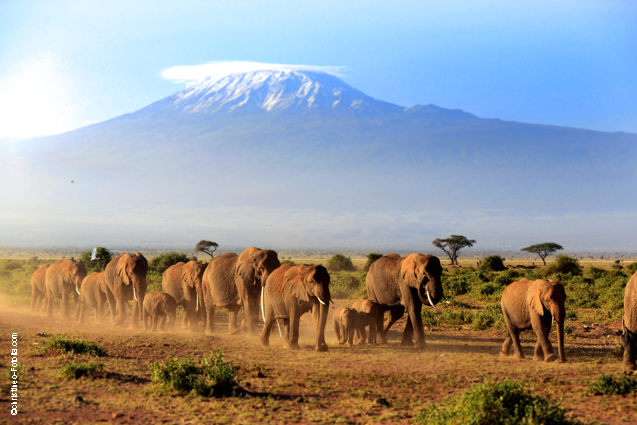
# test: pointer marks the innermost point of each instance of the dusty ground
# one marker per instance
(340, 386)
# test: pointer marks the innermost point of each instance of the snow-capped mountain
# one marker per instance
(272, 90)
(291, 158)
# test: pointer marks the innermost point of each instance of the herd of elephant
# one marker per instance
(258, 282)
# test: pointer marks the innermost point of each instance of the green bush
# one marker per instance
(609, 384)
(104, 257)
(75, 370)
(347, 285)
(62, 344)
(563, 264)
(631, 268)
(213, 378)
(455, 284)
(290, 262)
(340, 263)
(505, 402)
(161, 262)
(488, 317)
(493, 263)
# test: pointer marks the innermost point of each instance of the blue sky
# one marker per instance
(65, 64)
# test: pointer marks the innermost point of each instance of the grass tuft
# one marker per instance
(62, 344)
(504, 402)
(214, 377)
(609, 384)
(75, 370)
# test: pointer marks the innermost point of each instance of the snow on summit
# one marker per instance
(271, 89)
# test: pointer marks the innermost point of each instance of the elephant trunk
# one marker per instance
(320, 335)
(559, 314)
(431, 293)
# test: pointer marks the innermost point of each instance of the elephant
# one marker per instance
(234, 281)
(92, 294)
(125, 278)
(159, 307)
(533, 305)
(396, 283)
(291, 291)
(38, 286)
(63, 278)
(368, 312)
(345, 325)
(629, 336)
(183, 282)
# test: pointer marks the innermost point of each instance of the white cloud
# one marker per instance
(181, 74)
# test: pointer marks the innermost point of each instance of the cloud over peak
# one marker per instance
(188, 73)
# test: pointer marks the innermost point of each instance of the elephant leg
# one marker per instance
(629, 341)
(542, 332)
(112, 306)
(506, 346)
(49, 304)
(264, 336)
(350, 339)
(65, 305)
(395, 313)
(514, 335)
(137, 314)
(162, 323)
(210, 320)
(538, 354)
(408, 333)
(78, 309)
(293, 341)
(232, 319)
(337, 330)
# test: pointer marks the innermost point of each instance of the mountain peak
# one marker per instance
(272, 90)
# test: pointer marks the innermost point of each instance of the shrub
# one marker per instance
(488, 288)
(347, 284)
(564, 264)
(609, 384)
(213, 378)
(488, 317)
(494, 263)
(103, 255)
(340, 263)
(290, 262)
(455, 284)
(75, 370)
(571, 315)
(505, 402)
(62, 344)
(371, 257)
(161, 262)
(631, 268)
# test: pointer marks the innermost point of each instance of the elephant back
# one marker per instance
(219, 278)
(383, 279)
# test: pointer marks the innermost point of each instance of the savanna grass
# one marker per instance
(610, 384)
(504, 402)
(75, 370)
(62, 344)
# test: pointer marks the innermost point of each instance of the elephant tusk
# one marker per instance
(279, 325)
(262, 309)
(332, 301)
(445, 297)
(134, 294)
(77, 290)
(431, 302)
(320, 300)
(197, 305)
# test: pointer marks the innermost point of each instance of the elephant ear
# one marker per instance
(294, 279)
(534, 300)
(122, 271)
(408, 270)
(245, 267)
(189, 273)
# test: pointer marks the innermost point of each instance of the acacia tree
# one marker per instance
(543, 249)
(204, 246)
(452, 246)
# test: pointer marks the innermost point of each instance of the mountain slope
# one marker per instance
(291, 158)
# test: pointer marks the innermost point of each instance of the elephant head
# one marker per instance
(192, 274)
(132, 270)
(310, 282)
(76, 273)
(549, 296)
(255, 265)
(423, 272)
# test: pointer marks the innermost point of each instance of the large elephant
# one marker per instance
(125, 278)
(367, 316)
(289, 293)
(629, 337)
(183, 282)
(234, 281)
(528, 304)
(396, 283)
(63, 278)
(38, 286)
(92, 294)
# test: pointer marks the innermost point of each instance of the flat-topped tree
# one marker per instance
(543, 249)
(204, 246)
(452, 246)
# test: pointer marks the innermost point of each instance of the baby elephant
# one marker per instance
(159, 305)
(368, 312)
(345, 325)
(533, 305)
